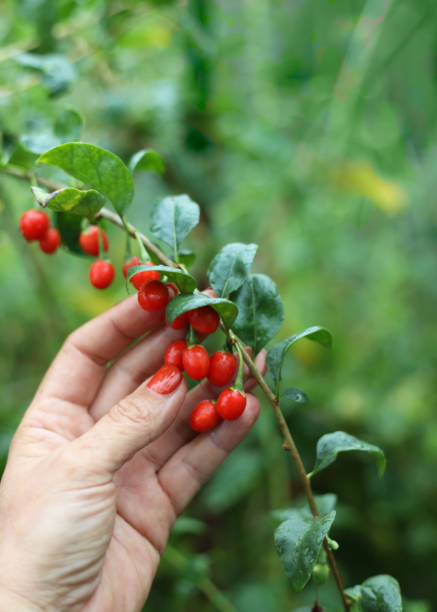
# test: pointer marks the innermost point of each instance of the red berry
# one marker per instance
(204, 416)
(34, 224)
(195, 360)
(173, 355)
(89, 240)
(222, 368)
(101, 274)
(134, 261)
(231, 403)
(153, 295)
(205, 319)
(50, 241)
(180, 322)
(140, 278)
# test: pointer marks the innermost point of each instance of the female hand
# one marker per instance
(100, 467)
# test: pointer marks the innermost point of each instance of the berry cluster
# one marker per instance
(35, 225)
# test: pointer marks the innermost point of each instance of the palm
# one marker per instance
(110, 528)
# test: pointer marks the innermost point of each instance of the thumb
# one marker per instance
(131, 424)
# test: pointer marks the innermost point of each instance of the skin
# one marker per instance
(101, 466)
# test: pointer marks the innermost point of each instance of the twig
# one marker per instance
(289, 444)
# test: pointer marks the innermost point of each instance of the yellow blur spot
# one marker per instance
(359, 178)
(91, 302)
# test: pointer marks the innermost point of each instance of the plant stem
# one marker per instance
(289, 444)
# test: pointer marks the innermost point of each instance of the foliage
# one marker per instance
(246, 104)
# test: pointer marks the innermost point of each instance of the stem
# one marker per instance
(289, 444)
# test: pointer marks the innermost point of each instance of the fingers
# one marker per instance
(187, 470)
(132, 368)
(132, 423)
(77, 372)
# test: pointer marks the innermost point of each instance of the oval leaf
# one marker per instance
(173, 219)
(377, 594)
(260, 311)
(146, 159)
(231, 267)
(86, 203)
(325, 503)
(276, 354)
(184, 281)
(96, 167)
(298, 541)
(182, 303)
(330, 445)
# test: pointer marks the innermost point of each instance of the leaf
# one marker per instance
(96, 167)
(276, 354)
(231, 267)
(173, 219)
(260, 311)
(298, 541)
(377, 594)
(57, 72)
(86, 203)
(187, 257)
(69, 227)
(184, 281)
(182, 303)
(325, 503)
(68, 125)
(330, 445)
(293, 395)
(146, 159)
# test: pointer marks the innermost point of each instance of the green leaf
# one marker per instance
(68, 125)
(298, 541)
(330, 445)
(173, 218)
(69, 227)
(377, 594)
(184, 281)
(276, 354)
(293, 395)
(231, 267)
(146, 159)
(324, 503)
(260, 311)
(187, 257)
(57, 72)
(85, 203)
(96, 167)
(182, 303)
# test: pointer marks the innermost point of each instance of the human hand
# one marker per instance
(101, 466)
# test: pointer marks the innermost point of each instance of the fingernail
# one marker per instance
(165, 380)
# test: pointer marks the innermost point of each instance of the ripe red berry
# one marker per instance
(50, 241)
(34, 224)
(145, 276)
(101, 274)
(204, 416)
(231, 403)
(89, 240)
(195, 360)
(222, 368)
(153, 295)
(180, 322)
(173, 355)
(204, 320)
(133, 261)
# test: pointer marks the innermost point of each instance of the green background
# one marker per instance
(308, 127)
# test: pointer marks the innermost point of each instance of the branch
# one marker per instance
(289, 444)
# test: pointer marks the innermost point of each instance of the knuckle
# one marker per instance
(131, 409)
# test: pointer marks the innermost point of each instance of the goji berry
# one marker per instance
(101, 274)
(153, 295)
(195, 360)
(231, 404)
(34, 224)
(204, 416)
(204, 320)
(90, 242)
(173, 354)
(222, 368)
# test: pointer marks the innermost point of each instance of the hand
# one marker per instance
(100, 467)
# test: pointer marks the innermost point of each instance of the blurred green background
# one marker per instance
(308, 127)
